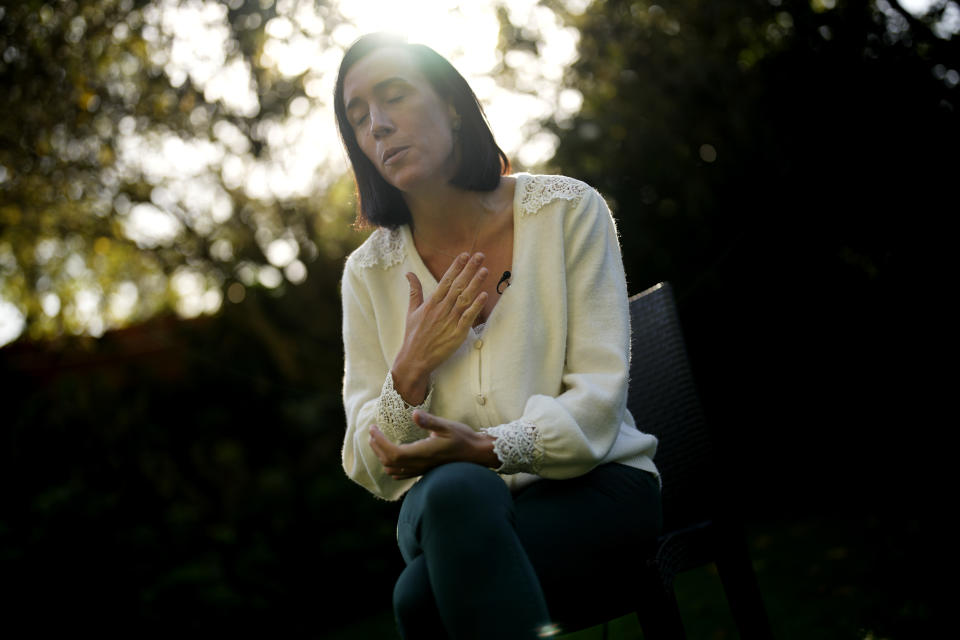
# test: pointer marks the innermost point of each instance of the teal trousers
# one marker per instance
(484, 563)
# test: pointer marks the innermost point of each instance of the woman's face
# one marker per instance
(401, 124)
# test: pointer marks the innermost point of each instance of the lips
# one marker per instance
(391, 153)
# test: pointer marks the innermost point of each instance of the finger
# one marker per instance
(377, 434)
(399, 470)
(449, 276)
(470, 315)
(455, 297)
(428, 421)
(382, 445)
(385, 450)
(437, 426)
(473, 289)
(403, 469)
(395, 457)
(378, 451)
(416, 292)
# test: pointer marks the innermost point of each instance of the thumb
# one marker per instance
(416, 291)
(428, 421)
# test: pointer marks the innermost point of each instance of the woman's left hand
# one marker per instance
(448, 441)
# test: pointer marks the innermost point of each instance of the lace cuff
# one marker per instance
(518, 446)
(395, 416)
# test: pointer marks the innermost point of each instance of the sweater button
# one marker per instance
(478, 344)
(481, 399)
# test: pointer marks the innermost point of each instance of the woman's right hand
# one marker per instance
(436, 328)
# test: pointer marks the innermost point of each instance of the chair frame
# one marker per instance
(699, 524)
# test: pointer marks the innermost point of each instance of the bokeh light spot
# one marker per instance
(236, 292)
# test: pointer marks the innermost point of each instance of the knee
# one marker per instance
(458, 487)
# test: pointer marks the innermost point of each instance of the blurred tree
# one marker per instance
(154, 154)
(782, 162)
(176, 478)
(94, 228)
(706, 119)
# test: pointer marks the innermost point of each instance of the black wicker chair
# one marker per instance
(698, 529)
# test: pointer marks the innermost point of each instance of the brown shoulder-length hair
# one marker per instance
(483, 162)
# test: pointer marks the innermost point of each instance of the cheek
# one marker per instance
(442, 140)
(369, 149)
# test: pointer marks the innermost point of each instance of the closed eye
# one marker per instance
(359, 121)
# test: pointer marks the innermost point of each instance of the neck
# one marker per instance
(447, 217)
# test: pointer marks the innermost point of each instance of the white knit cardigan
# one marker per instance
(548, 375)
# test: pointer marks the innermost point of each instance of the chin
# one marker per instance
(420, 171)
(411, 179)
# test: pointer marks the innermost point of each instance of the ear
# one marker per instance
(455, 119)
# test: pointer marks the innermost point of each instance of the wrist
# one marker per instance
(410, 382)
(483, 451)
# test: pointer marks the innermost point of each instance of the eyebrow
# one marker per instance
(380, 86)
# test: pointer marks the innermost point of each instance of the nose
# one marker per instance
(380, 123)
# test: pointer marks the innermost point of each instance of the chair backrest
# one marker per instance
(664, 402)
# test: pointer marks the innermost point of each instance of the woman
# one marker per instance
(486, 337)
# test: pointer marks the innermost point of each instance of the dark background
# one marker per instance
(184, 476)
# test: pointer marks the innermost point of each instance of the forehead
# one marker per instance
(377, 66)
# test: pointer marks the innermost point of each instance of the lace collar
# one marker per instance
(386, 248)
(536, 192)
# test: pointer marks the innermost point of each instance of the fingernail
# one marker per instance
(463, 258)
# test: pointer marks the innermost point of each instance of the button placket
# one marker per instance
(480, 396)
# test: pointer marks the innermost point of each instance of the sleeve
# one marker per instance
(368, 394)
(395, 415)
(569, 434)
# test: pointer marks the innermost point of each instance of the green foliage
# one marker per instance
(779, 162)
(703, 121)
(87, 80)
(184, 477)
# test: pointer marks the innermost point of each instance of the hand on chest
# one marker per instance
(496, 249)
